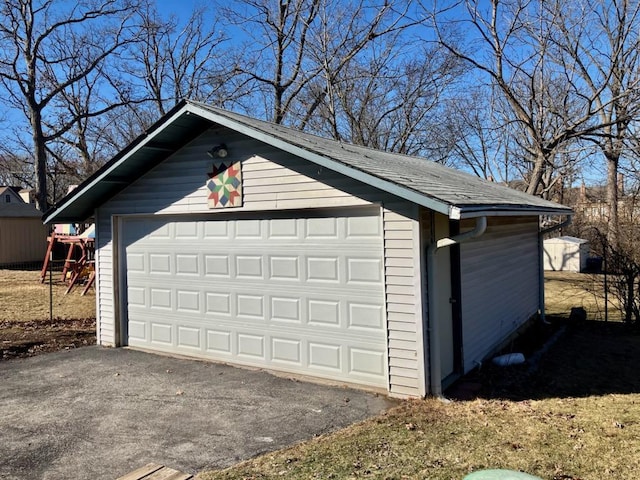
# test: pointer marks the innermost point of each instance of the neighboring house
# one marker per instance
(10, 195)
(590, 203)
(23, 237)
(223, 237)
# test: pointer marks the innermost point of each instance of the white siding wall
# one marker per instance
(500, 275)
(275, 180)
(403, 280)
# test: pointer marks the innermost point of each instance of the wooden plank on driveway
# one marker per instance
(166, 473)
(153, 471)
(141, 472)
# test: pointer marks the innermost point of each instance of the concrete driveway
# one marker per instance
(99, 413)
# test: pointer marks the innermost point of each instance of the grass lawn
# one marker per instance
(576, 415)
(24, 298)
(26, 326)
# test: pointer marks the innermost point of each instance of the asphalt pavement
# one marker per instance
(98, 413)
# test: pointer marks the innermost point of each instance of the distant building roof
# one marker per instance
(19, 210)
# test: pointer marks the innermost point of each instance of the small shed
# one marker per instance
(567, 254)
(227, 238)
(23, 237)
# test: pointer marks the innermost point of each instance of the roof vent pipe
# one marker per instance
(435, 371)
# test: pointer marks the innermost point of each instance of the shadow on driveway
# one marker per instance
(99, 413)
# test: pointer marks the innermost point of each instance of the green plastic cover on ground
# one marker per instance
(500, 475)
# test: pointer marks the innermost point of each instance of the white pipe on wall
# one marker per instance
(434, 328)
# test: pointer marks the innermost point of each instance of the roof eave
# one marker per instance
(56, 213)
(463, 212)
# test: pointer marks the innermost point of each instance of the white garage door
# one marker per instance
(303, 294)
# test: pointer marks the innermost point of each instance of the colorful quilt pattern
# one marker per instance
(225, 185)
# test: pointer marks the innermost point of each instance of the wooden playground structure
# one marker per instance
(79, 263)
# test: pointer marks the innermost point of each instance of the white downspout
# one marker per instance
(434, 328)
(541, 234)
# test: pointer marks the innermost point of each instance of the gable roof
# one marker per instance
(13, 191)
(445, 190)
(19, 210)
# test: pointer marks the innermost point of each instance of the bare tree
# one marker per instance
(509, 42)
(48, 47)
(297, 49)
(600, 42)
(477, 143)
(388, 99)
(176, 59)
(273, 59)
(15, 170)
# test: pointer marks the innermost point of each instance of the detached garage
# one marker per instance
(23, 237)
(223, 237)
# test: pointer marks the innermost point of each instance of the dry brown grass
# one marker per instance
(24, 298)
(574, 417)
(563, 439)
(564, 290)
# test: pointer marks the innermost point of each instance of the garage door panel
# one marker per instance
(366, 362)
(284, 228)
(251, 345)
(364, 270)
(136, 262)
(190, 337)
(249, 267)
(321, 228)
(287, 350)
(160, 263)
(137, 330)
(188, 264)
(362, 227)
(250, 306)
(248, 229)
(188, 301)
(217, 265)
(284, 267)
(365, 316)
(160, 298)
(328, 312)
(325, 356)
(218, 303)
(286, 309)
(219, 341)
(303, 295)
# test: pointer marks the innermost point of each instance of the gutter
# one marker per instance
(541, 234)
(435, 370)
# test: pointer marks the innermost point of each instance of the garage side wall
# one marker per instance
(499, 275)
(275, 180)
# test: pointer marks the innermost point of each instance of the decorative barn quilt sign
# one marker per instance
(225, 185)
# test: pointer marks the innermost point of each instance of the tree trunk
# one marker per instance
(612, 200)
(536, 174)
(40, 161)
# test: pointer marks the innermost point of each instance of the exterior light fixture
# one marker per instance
(219, 151)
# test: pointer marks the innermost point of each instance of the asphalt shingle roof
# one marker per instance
(450, 191)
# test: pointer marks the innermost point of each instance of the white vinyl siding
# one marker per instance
(403, 291)
(276, 181)
(500, 272)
